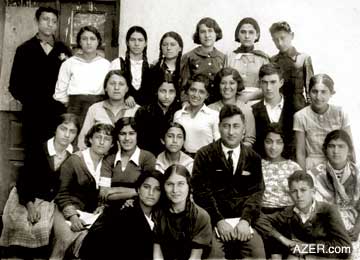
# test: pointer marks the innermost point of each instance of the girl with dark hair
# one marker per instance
(173, 139)
(29, 212)
(246, 60)
(314, 122)
(153, 118)
(168, 64)
(135, 67)
(79, 190)
(121, 169)
(182, 229)
(112, 108)
(228, 83)
(337, 180)
(204, 59)
(131, 226)
(81, 77)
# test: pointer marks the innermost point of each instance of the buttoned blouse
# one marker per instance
(201, 130)
(248, 65)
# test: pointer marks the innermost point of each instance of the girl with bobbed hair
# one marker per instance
(314, 122)
(78, 193)
(204, 59)
(29, 211)
(182, 229)
(337, 181)
(135, 66)
(228, 83)
(123, 166)
(81, 77)
(131, 226)
(246, 60)
(112, 108)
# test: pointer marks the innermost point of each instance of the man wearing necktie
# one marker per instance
(227, 181)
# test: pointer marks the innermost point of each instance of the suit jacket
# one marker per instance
(262, 122)
(325, 227)
(222, 193)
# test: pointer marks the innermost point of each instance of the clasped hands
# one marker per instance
(241, 231)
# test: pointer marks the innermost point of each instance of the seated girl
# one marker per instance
(200, 122)
(173, 140)
(309, 228)
(29, 211)
(131, 226)
(182, 229)
(78, 193)
(228, 83)
(337, 180)
(112, 108)
(153, 118)
(121, 169)
(314, 122)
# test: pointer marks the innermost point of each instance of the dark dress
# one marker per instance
(119, 234)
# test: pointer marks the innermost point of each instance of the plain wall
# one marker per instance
(328, 30)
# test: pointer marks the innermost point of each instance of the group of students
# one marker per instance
(201, 155)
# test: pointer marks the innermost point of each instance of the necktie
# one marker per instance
(230, 160)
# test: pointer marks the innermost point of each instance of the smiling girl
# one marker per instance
(314, 122)
(204, 59)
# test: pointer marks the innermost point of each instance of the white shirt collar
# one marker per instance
(306, 216)
(278, 105)
(51, 147)
(90, 166)
(235, 155)
(135, 157)
(203, 109)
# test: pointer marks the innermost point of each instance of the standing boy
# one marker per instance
(297, 66)
(273, 108)
(309, 228)
(33, 77)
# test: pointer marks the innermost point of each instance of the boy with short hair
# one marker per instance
(309, 228)
(297, 66)
(273, 108)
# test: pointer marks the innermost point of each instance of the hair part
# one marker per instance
(271, 69)
(179, 170)
(247, 20)
(335, 135)
(322, 79)
(125, 121)
(211, 23)
(229, 111)
(46, 9)
(202, 78)
(228, 71)
(98, 128)
(300, 175)
(89, 28)
(119, 73)
(280, 26)
(68, 118)
(176, 125)
(149, 174)
(276, 129)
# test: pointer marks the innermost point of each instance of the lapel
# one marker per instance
(49, 158)
(263, 113)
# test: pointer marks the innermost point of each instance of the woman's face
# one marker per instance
(228, 87)
(274, 146)
(149, 192)
(170, 48)
(177, 189)
(320, 95)
(89, 42)
(207, 36)
(127, 138)
(65, 133)
(337, 152)
(197, 94)
(101, 143)
(166, 94)
(174, 139)
(136, 43)
(247, 35)
(116, 87)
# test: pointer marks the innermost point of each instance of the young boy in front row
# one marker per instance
(297, 66)
(273, 108)
(309, 228)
